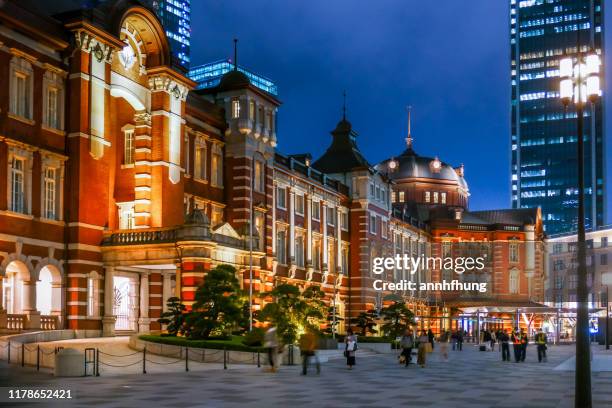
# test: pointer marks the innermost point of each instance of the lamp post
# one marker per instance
(606, 279)
(580, 82)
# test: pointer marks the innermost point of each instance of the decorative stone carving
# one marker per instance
(88, 43)
(164, 83)
(309, 273)
(292, 270)
(274, 265)
(142, 118)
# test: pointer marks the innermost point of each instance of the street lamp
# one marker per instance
(580, 83)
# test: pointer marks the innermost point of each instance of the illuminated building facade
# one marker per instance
(543, 134)
(122, 185)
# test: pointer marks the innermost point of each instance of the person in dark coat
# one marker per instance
(460, 340)
(516, 344)
(524, 343)
(430, 337)
(504, 339)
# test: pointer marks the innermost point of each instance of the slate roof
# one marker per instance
(342, 155)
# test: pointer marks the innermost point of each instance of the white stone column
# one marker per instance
(29, 305)
(308, 215)
(166, 290)
(291, 225)
(2, 310)
(56, 303)
(338, 241)
(144, 321)
(108, 320)
(273, 217)
(324, 222)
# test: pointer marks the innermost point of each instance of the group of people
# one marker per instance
(423, 342)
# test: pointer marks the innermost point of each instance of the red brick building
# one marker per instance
(121, 186)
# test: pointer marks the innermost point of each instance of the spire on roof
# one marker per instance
(409, 136)
(235, 54)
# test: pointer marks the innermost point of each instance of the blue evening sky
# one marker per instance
(449, 59)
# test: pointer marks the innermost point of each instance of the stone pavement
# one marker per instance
(471, 378)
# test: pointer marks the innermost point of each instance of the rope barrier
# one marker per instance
(116, 355)
(119, 366)
(158, 363)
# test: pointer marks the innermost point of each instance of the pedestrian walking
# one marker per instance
(308, 345)
(430, 338)
(350, 348)
(443, 343)
(516, 345)
(460, 340)
(422, 354)
(454, 339)
(524, 344)
(272, 345)
(492, 340)
(541, 342)
(407, 344)
(504, 340)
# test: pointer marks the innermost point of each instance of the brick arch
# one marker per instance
(19, 259)
(54, 266)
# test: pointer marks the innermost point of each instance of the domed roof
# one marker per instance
(410, 165)
(233, 79)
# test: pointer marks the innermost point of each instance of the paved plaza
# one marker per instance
(470, 378)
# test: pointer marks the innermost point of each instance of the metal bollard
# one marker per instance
(23, 354)
(38, 357)
(186, 359)
(224, 359)
(144, 360)
(9, 352)
(258, 360)
(97, 363)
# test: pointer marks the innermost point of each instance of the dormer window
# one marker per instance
(235, 108)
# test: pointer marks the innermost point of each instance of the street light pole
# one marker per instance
(580, 82)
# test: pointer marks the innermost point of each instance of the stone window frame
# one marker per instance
(27, 157)
(53, 80)
(21, 67)
(50, 161)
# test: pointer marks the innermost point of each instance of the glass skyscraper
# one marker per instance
(543, 132)
(209, 75)
(175, 16)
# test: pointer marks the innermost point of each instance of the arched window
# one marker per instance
(514, 281)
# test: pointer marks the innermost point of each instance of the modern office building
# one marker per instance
(209, 75)
(543, 133)
(175, 16)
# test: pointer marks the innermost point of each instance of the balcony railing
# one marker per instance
(48, 322)
(15, 321)
(140, 237)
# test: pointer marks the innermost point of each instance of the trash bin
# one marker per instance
(69, 363)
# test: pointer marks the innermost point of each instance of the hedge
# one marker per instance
(232, 344)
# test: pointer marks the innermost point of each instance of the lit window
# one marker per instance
(316, 210)
(299, 251)
(402, 196)
(331, 216)
(235, 108)
(216, 216)
(260, 175)
(299, 204)
(281, 247)
(281, 197)
(49, 210)
(126, 215)
(435, 197)
(514, 252)
(17, 185)
(514, 281)
(21, 88)
(217, 166)
(443, 198)
(252, 110)
(128, 147)
(199, 166)
(427, 196)
(52, 119)
(345, 221)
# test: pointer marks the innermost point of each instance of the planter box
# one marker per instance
(384, 348)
